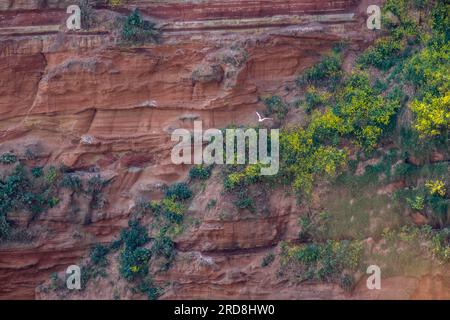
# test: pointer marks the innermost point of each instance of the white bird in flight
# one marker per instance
(260, 119)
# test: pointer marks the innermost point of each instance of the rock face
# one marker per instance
(85, 101)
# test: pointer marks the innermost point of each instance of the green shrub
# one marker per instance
(71, 182)
(419, 198)
(200, 172)
(96, 184)
(245, 202)
(323, 261)
(441, 245)
(98, 254)
(147, 287)
(416, 203)
(315, 98)
(441, 23)
(172, 210)
(243, 177)
(135, 236)
(327, 72)
(347, 282)
(8, 158)
(163, 246)
(268, 259)
(134, 263)
(134, 257)
(302, 160)
(179, 191)
(51, 175)
(307, 228)
(275, 105)
(428, 72)
(137, 30)
(432, 119)
(18, 191)
(37, 172)
(364, 112)
(95, 187)
(384, 54)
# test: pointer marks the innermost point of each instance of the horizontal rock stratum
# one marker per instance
(82, 100)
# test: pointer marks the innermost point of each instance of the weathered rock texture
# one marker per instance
(83, 100)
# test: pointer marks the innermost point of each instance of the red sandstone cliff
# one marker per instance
(57, 87)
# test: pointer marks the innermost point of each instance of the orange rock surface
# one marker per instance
(59, 87)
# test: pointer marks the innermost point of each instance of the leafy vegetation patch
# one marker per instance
(136, 30)
(21, 191)
(134, 259)
(276, 106)
(353, 119)
(179, 191)
(35, 191)
(8, 158)
(329, 261)
(200, 172)
(327, 72)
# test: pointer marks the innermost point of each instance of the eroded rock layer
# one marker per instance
(83, 100)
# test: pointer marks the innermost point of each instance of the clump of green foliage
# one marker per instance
(244, 201)
(168, 216)
(383, 55)
(72, 182)
(275, 105)
(322, 261)
(18, 191)
(148, 288)
(441, 245)
(95, 187)
(430, 199)
(98, 254)
(428, 73)
(134, 257)
(358, 113)
(268, 259)
(200, 172)
(163, 246)
(8, 158)
(315, 98)
(347, 282)
(364, 113)
(137, 30)
(52, 175)
(242, 177)
(302, 160)
(409, 250)
(37, 172)
(427, 69)
(179, 191)
(327, 72)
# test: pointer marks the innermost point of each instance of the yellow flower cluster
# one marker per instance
(434, 117)
(436, 187)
